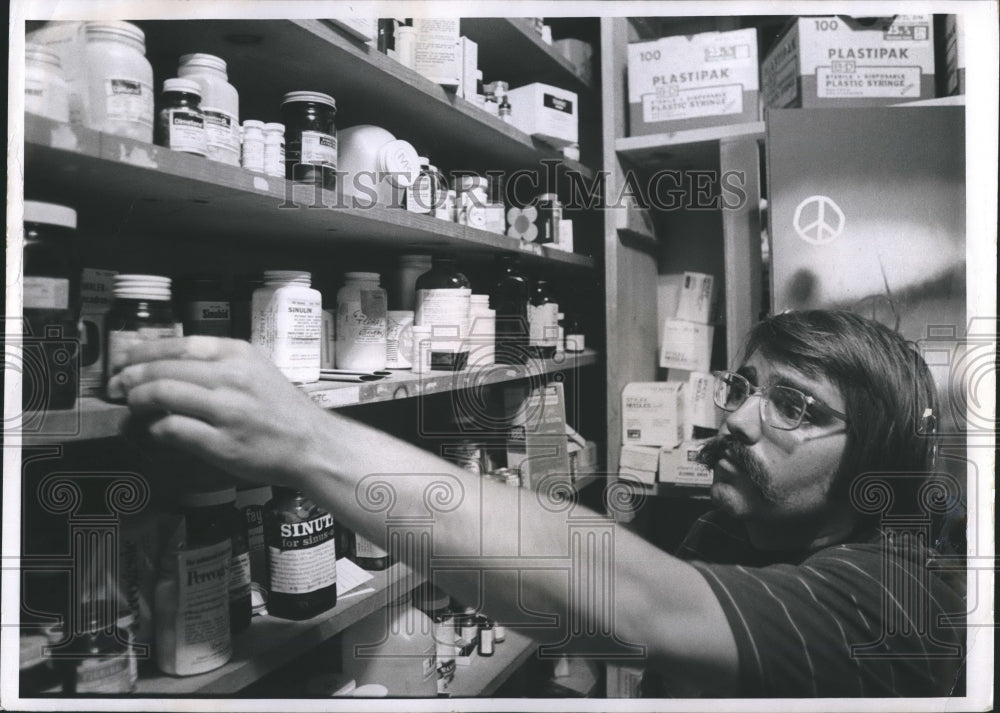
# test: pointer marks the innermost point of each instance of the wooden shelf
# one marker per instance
(504, 40)
(485, 675)
(368, 86)
(271, 642)
(95, 418)
(171, 193)
(683, 149)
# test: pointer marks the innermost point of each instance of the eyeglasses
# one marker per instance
(781, 407)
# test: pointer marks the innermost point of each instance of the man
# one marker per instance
(789, 589)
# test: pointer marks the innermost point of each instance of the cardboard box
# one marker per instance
(954, 54)
(438, 53)
(536, 443)
(700, 410)
(645, 458)
(652, 413)
(692, 81)
(839, 61)
(646, 477)
(550, 113)
(686, 345)
(695, 301)
(680, 466)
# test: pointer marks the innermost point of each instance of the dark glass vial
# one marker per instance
(204, 306)
(543, 321)
(51, 344)
(448, 290)
(141, 311)
(310, 138)
(180, 123)
(510, 300)
(301, 556)
(367, 555)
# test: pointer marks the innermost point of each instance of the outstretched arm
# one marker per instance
(224, 402)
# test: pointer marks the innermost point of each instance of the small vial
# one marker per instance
(141, 312)
(252, 155)
(486, 637)
(274, 149)
(180, 124)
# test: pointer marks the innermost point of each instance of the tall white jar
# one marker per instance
(45, 90)
(361, 323)
(220, 102)
(287, 323)
(120, 81)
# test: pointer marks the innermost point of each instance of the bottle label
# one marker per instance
(222, 135)
(420, 196)
(319, 148)
(398, 344)
(46, 293)
(128, 100)
(362, 321)
(446, 311)
(253, 156)
(202, 620)
(239, 576)
(120, 341)
(274, 158)
(543, 323)
(186, 131)
(105, 674)
(289, 329)
(302, 556)
(364, 547)
(209, 318)
(428, 664)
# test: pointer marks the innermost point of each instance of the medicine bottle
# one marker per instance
(398, 339)
(361, 308)
(467, 626)
(204, 306)
(482, 331)
(311, 138)
(120, 81)
(576, 340)
(377, 167)
(51, 293)
(436, 604)
(220, 103)
(239, 563)
(100, 658)
(406, 45)
(180, 123)
(287, 325)
(543, 321)
(443, 298)
(393, 647)
(192, 591)
(486, 640)
(301, 556)
(421, 195)
(252, 147)
(141, 312)
(509, 299)
(401, 285)
(472, 200)
(45, 90)
(420, 359)
(367, 555)
(549, 215)
(274, 149)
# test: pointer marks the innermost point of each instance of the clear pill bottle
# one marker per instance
(361, 323)
(45, 90)
(180, 123)
(274, 149)
(252, 147)
(142, 311)
(287, 324)
(220, 103)
(120, 80)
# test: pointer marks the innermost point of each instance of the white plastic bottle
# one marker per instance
(120, 81)
(274, 149)
(361, 323)
(220, 103)
(287, 323)
(45, 90)
(377, 167)
(252, 151)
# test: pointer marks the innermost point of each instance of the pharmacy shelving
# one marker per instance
(96, 418)
(171, 193)
(270, 642)
(484, 675)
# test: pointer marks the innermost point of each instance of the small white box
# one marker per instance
(547, 112)
(640, 457)
(686, 345)
(565, 239)
(695, 301)
(647, 477)
(438, 53)
(700, 410)
(652, 413)
(680, 465)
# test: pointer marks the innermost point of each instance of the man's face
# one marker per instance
(764, 473)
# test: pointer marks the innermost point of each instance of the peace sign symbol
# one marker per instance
(818, 230)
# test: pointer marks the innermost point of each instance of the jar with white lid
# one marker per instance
(46, 92)
(377, 168)
(120, 81)
(286, 323)
(361, 323)
(142, 311)
(220, 102)
(472, 200)
(252, 148)
(180, 123)
(274, 149)
(393, 647)
(311, 151)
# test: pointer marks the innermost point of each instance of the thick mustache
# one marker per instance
(737, 453)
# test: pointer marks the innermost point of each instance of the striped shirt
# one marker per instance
(866, 618)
